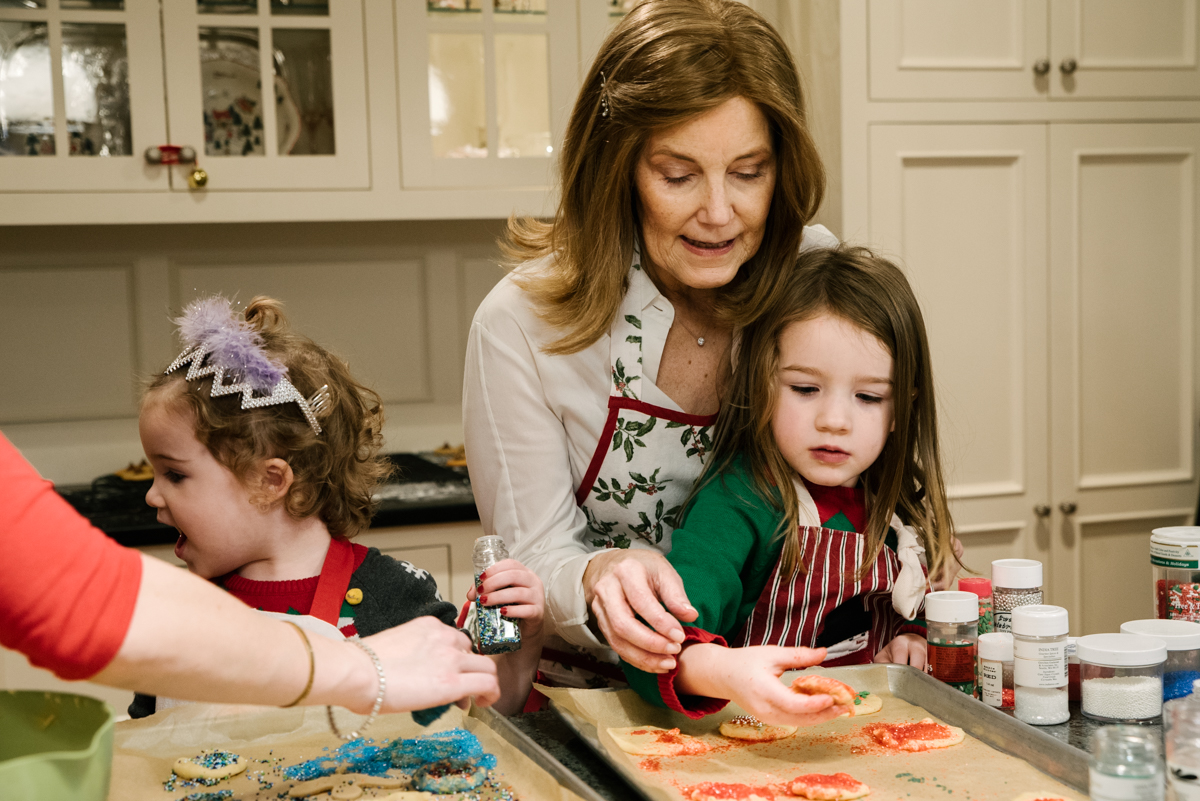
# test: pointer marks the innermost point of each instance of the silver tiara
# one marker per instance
(230, 382)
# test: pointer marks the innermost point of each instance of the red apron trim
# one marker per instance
(584, 662)
(615, 404)
(334, 581)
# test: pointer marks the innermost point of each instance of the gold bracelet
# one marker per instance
(312, 665)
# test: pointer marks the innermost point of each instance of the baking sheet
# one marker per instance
(977, 770)
(144, 750)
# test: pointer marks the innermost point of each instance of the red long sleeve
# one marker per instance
(67, 591)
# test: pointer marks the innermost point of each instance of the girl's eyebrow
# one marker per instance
(813, 371)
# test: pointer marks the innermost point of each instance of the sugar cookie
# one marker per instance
(921, 735)
(653, 741)
(828, 787)
(1041, 797)
(325, 784)
(209, 765)
(753, 730)
(866, 703)
(813, 684)
(448, 777)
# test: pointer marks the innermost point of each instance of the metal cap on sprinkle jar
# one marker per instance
(952, 606)
(1121, 650)
(1039, 620)
(979, 586)
(1017, 574)
(1179, 635)
(996, 646)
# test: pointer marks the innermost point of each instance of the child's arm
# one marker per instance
(750, 678)
(515, 588)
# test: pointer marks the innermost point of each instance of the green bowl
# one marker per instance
(54, 746)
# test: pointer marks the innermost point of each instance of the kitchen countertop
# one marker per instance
(423, 491)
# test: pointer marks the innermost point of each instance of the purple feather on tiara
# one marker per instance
(231, 342)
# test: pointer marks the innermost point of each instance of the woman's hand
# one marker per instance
(427, 664)
(620, 584)
(949, 572)
(904, 649)
(750, 678)
(518, 591)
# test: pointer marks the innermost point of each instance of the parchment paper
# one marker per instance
(144, 750)
(971, 771)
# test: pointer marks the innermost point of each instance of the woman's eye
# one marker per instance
(749, 176)
(676, 180)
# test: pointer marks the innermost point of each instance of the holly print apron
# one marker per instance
(637, 481)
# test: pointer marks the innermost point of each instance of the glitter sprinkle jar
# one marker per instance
(1121, 677)
(1040, 664)
(494, 633)
(952, 631)
(982, 588)
(1015, 582)
(1175, 559)
(996, 669)
(1183, 652)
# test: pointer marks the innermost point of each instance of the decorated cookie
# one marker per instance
(209, 765)
(653, 741)
(721, 791)
(449, 777)
(813, 684)
(1041, 797)
(331, 784)
(866, 703)
(922, 735)
(828, 787)
(753, 730)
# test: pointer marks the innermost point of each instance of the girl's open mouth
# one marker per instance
(179, 543)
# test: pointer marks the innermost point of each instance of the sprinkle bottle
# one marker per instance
(996, 669)
(1183, 652)
(1126, 763)
(1181, 730)
(1040, 664)
(982, 588)
(1121, 677)
(952, 630)
(1015, 582)
(493, 633)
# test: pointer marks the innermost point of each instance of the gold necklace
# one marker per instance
(699, 339)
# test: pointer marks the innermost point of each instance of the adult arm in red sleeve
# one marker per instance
(76, 602)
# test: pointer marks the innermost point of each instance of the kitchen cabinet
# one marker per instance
(1033, 49)
(1053, 249)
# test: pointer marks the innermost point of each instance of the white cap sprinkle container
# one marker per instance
(1183, 651)
(1040, 664)
(952, 633)
(1015, 582)
(1121, 677)
(996, 669)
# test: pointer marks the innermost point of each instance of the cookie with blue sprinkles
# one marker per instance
(209, 766)
(449, 777)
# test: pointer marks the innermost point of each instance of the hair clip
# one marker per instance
(603, 96)
(320, 401)
(217, 344)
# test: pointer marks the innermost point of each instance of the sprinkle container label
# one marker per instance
(1102, 787)
(991, 675)
(1186, 557)
(954, 664)
(1040, 673)
(1039, 651)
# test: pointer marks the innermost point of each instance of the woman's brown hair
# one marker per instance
(666, 62)
(336, 472)
(871, 293)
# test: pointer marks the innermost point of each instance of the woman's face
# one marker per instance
(705, 188)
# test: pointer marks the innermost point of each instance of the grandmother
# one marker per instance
(595, 368)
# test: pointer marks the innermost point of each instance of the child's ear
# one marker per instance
(275, 479)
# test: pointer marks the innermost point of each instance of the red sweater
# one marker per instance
(67, 591)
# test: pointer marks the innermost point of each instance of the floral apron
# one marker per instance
(637, 481)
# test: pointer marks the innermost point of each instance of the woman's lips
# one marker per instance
(829, 455)
(703, 248)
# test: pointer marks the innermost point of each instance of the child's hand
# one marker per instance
(944, 579)
(518, 591)
(905, 649)
(750, 678)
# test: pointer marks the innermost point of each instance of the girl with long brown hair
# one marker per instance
(823, 505)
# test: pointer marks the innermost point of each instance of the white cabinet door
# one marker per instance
(924, 49)
(485, 90)
(309, 132)
(1123, 212)
(964, 209)
(81, 97)
(1119, 49)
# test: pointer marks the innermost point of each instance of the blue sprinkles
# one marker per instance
(455, 745)
(356, 756)
(1178, 683)
(216, 795)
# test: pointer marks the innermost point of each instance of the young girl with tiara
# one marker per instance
(265, 452)
(804, 540)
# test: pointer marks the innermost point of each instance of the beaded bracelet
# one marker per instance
(354, 735)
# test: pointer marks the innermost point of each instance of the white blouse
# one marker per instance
(532, 422)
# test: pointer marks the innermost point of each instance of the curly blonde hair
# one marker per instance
(336, 472)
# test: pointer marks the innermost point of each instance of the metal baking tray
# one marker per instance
(1009, 735)
(539, 755)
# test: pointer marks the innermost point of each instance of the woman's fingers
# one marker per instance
(620, 627)
(641, 658)
(673, 595)
(428, 664)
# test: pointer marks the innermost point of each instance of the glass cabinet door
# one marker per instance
(270, 93)
(485, 90)
(81, 95)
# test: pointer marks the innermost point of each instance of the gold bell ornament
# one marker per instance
(197, 178)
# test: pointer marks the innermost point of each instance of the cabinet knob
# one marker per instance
(1042, 510)
(1067, 66)
(1041, 66)
(197, 178)
(1067, 507)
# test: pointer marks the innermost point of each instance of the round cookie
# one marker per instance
(866, 703)
(653, 741)
(922, 735)
(448, 777)
(212, 765)
(813, 684)
(1041, 797)
(827, 787)
(752, 730)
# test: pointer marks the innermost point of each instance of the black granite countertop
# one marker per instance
(423, 490)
